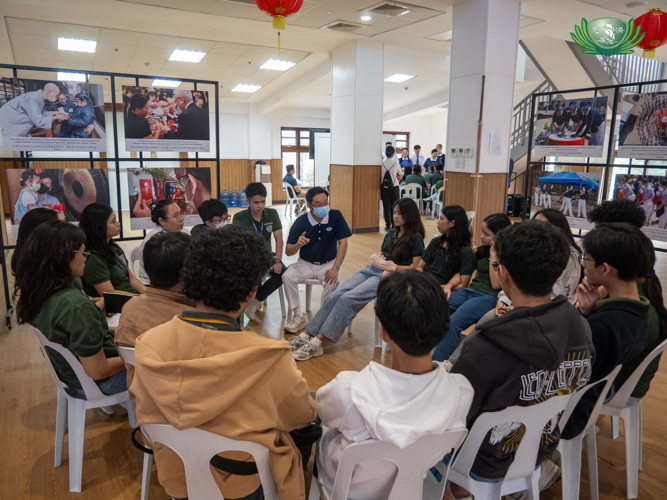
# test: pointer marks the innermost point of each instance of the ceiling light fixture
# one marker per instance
(71, 77)
(76, 45)
(165, 83)
(277, 65)
(247, 88)
(366, 17)
(192, 56)
(399, 78)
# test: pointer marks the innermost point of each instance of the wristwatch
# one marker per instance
(336, 267)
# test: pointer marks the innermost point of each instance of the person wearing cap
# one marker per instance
(560, 121)
(592, 123)
(575, 116)
(81, 122)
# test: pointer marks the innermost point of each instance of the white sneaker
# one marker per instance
(308, 350)
(549, 474)
(296, 324)
(251, 311)
(107, 409)
(296, 342)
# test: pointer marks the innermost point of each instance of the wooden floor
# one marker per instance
(112, 466)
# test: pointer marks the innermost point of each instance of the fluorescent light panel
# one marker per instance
(72, 77)
(192, 56)
(76, 45)
(244, 87)
(277, 65)
(165, 83)
(366, 17)
(398, 78)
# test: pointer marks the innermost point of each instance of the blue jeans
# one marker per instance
(466, 306)
(113, 385)
(342, 306)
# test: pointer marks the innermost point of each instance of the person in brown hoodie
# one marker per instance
(200, 370)
(164, 255)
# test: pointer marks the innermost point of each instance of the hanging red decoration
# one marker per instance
(654, 26)
(279, 10)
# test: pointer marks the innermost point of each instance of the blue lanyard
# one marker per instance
(261, 230)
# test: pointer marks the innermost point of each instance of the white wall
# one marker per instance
(426, 129)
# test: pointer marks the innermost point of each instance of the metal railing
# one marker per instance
(627, 68)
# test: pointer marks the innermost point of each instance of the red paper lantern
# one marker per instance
(279, 10)
(654, 26)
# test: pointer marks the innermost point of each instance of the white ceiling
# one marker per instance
(131, 33)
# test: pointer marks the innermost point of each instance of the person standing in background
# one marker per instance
(389, 192)
(405, 158)
(418, 158)
(441, 155)
(583, 199)
(567, 201)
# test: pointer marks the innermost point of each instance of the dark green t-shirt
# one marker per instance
(414, 249)
(98, 270)
(72, 320)
(198, 230)
(416, 179)
(442, 264)
(435, 178)
(482, 281)
(438, 185)
(269, 223)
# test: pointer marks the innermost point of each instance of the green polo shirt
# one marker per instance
(265, 227)
(416, 179)
(438, 185)
(482, 281)
(198, 230)
(211, 321)
(98, 270)
(72, 320)
(414, 249)
(442, 265)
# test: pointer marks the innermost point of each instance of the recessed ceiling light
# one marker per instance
(192, 56)
(277, 65)
(248, 89)
(633, 5)
(330, 12)
(72, 77)
(366, 17)
(404, 12)
(165, 83)
(76, 45)
(399, 78)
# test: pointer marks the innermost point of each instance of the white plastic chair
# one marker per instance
(75, 409)
(436, 205)
(196, 447)
(291, 200)
(632, 422)
(135, 255)
(414, 191)
(378, 341)
(412, 463)
(471, 218)
(522, 474)
(570, 449)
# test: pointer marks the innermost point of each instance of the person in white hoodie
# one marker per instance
(414, 398)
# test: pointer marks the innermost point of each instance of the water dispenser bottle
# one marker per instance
(235, 198)
(243, 202)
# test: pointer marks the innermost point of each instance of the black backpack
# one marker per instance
(387, 182)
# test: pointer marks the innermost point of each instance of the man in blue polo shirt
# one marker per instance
(320, 237)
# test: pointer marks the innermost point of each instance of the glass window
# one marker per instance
(655, 171)
(637, 171)
(288, 138)
(307, 169)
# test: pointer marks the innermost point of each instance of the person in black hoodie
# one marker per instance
(614, 256)
(539, 340)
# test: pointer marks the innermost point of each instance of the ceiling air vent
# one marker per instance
(342, 26)
(244, 2)
(390, 9)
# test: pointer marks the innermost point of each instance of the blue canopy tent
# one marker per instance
(569, 178)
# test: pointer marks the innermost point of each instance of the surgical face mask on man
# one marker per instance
(321, 212)
(221, 224)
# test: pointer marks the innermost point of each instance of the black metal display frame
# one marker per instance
(26, 157)
(609, 164)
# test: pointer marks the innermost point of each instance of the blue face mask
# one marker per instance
(321, 212)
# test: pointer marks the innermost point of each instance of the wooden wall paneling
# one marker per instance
(235, 174)
(366, 197)
(341, 184)
(277, 181)
(460, 189)
(491, 199)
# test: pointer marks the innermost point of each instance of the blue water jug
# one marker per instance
(225, 197)
(243, 202)
(235, 198)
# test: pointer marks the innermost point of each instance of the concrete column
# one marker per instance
(485, 40)
(356, 132)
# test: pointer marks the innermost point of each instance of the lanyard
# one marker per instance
(261, 230)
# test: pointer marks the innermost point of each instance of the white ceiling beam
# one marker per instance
(417, 106)
(300, 86)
